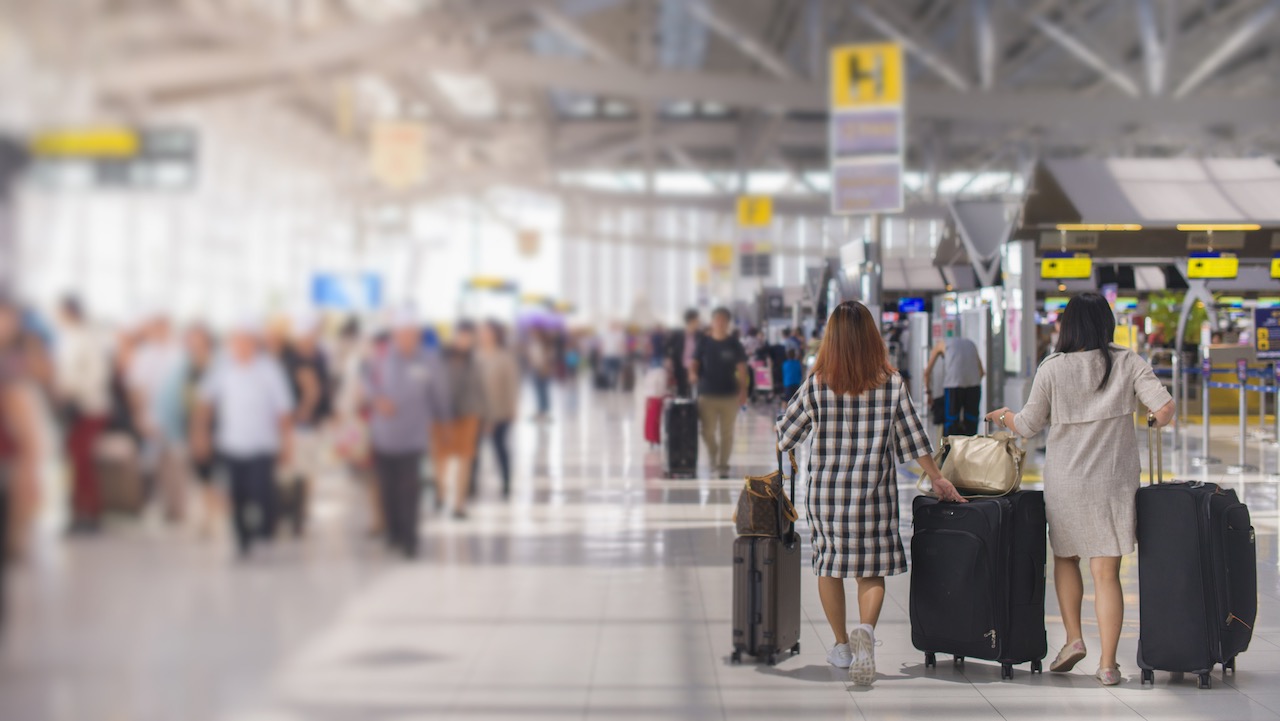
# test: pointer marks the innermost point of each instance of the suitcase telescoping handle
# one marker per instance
(1155, 446)
(792, 456)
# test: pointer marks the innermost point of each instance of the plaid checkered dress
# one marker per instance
(852, 500)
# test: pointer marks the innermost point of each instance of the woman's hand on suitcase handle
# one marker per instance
(942, 488)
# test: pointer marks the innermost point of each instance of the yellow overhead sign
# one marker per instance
(1222, 265)
(869, 74)
(754, 211)
(1275, 269)
(1079, 265)
(720, 255)
(87, 143)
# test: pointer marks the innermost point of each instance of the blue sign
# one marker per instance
(1206, 367)
(1242, 370)
(1266, 333)
(911, 305)
(346, 291)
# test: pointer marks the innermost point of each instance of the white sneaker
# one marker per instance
(840, 656)
(863, 669)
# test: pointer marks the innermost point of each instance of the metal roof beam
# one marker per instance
(1153, 49)
(931, 59)
(564, 26)
(1085, 54)
(1235, 42)
(747, 42)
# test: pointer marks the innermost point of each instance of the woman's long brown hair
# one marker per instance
(853, 357)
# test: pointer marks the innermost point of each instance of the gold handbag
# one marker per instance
(988, 465)
(763, 507)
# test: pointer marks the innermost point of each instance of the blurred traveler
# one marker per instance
(541, 368)
(407, 388)
(246, 389)
(200, 348)
(680, 351)
(310, 383)
(500, 375)
(751, 342)
(461, 433)
(657, 351)
(815, 342)
(83, 382)
(962, 381)
(155, 382)
(859, 414)
(720, 370)
(613, 353)
(20, 440)
(351, 411)
(1084, 394)
(792, 375)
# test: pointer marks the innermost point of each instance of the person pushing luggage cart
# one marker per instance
(852, 499)
(1085, 395)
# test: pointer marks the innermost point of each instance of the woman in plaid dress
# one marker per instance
(859, 414)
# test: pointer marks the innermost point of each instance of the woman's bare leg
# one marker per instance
(1108, 603)
(870, 600)
(831, 592)
(1070, 587)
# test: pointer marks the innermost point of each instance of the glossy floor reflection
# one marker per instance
(600, 591)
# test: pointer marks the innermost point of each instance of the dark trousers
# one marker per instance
(253, 488)
(86, 494)
(400, 484)
(542, 391)
(499, 438)
(962, 411)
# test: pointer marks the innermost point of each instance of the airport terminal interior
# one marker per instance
(387, 360)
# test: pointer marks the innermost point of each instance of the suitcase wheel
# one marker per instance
(930, 660)
(795, 650)
(958, 662)
(773, 659)
(1148, 677)
(1206, 681)
(1037, 667)
(1229, 665)
(1006, 671)
(735, 657)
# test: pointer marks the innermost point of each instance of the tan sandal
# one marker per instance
(1070, 655)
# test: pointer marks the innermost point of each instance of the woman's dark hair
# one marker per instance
(1088, 324)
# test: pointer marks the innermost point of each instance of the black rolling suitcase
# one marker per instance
(679, 438)
(977, 580)
(766, 593)
(1197, 575)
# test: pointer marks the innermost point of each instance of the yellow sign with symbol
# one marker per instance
(720, 255)
(755, 211)
(1275, 267)
(869, 74)
(1223, 265)
(1264, 339)
(1079, 265)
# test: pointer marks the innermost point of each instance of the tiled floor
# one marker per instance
(600, 591)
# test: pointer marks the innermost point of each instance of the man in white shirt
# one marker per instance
(613, 351)
(83, 377)
(249, 393)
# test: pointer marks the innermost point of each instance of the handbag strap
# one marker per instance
(791, 455)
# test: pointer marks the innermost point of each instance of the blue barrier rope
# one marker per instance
(1236, 386)
(1190, 371)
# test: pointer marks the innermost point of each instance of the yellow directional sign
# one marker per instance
(755, 211)
(87, 143)
(1223, 265)
(720, 255)
(1275, 267)
(1079, 265)
(869, 74)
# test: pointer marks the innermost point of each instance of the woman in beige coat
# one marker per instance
(1085, 395)
(500, 377)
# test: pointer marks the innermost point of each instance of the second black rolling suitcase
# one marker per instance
(977, 580)
(766, 592)
(679, 436)
(1197, 576)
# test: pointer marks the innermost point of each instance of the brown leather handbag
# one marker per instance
(763, 506)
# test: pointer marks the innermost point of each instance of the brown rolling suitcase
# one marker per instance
(119, 473)
(766, 592)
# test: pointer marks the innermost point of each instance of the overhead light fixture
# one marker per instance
(1098, 226)
(1218, 226)
(1062, 287)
